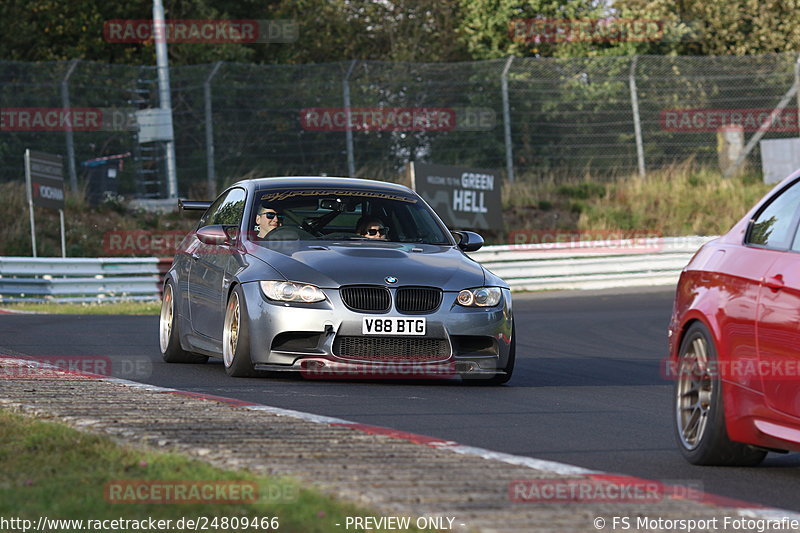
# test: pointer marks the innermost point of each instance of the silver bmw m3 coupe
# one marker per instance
(334, 277)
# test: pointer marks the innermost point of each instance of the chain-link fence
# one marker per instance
(529, 116)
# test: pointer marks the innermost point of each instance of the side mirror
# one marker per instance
(217, 234)
(468, 241)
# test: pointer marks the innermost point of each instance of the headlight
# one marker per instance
(287, 291)
(480, 297)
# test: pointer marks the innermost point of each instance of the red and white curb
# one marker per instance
(742, 508)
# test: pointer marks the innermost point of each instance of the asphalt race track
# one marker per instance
(587, 389)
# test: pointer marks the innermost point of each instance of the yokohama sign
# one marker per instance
(45, 179)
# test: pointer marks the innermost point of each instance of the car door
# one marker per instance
(733, 275)
(209, 265)
(778, 321)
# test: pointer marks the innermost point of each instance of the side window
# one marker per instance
(231, 210)
(227, 209)
(774, 226)
(208, 216)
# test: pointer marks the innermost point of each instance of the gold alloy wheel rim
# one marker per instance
(230, 334)
(695, 393)
(165, 322)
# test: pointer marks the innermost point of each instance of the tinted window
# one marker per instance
(774, 226)
(227, 209)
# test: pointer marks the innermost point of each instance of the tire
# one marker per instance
(236, 338)
(498, 379)
(698, 411)
(169, 337)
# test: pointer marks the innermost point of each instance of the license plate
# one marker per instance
(393, 326)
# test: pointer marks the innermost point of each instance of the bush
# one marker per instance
(85, 226)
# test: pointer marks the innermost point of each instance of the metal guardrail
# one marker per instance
(591, 264)
(80, 279)
(544, 266)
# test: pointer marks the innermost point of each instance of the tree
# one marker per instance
(329, 30)
(51, 30)
(498, 28)
(720, 27)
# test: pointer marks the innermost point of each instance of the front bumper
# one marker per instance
(292, 337)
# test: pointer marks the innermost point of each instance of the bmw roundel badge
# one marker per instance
(390, 279)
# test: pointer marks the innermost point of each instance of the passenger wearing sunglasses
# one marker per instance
(267, 219)
(372, 228)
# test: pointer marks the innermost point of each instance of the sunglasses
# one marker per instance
(271, 215)
(373, 231)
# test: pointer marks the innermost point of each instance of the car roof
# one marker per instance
(322, 181)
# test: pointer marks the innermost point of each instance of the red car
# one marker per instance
(734, 338)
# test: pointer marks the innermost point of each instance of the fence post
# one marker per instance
(637, 124)
(164, 94)
(797, 84)
(767, 124)
(73, 175)
(28, 193)
(351, 160)
(211, 179)
(507, 121)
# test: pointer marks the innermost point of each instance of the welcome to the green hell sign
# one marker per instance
(463, 197)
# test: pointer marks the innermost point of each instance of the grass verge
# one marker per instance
(682, 199)
(48, 469)
(87, 228)
(109, 308)
(679, 200)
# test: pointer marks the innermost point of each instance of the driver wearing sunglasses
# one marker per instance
(267, 219)
(372, 228)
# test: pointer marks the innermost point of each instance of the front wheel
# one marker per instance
(699, 413)
(236, 338)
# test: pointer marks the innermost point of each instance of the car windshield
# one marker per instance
(344, 214)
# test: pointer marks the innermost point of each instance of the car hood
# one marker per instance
(331, 265)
